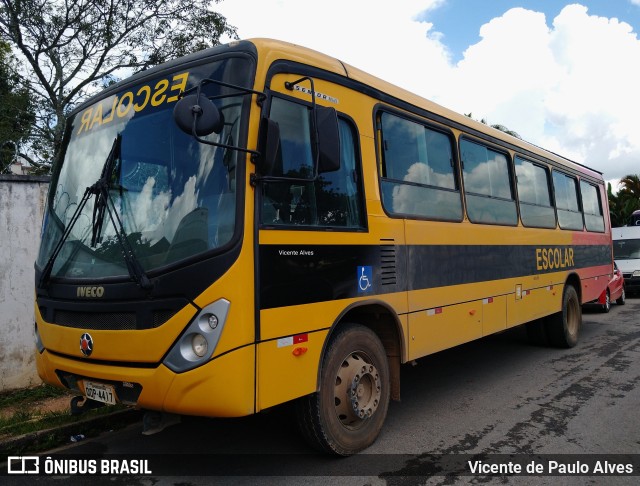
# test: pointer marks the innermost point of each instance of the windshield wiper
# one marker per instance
(46, 271)
(102, 196)
(103, 202)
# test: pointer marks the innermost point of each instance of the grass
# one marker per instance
(26, 426)
(30, 395)
(26, 421)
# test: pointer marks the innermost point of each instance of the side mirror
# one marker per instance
(198, 111)
(328, 139)
(269, 145)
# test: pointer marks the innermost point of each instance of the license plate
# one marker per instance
(100, 392)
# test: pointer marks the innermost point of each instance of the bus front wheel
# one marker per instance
(346, 415)
(563, 328)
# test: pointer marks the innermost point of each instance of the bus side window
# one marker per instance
(334, 199)
(566, 193)
(592, 207)
(487, 185)
(536, 209)
(417, 173)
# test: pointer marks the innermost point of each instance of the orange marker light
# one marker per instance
(299, 351)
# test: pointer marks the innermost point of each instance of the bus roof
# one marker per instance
(285, 50)
(274, 50)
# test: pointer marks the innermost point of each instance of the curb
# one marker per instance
(41, 440)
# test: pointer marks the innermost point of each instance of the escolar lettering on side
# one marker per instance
(554, 258)
(130, 102)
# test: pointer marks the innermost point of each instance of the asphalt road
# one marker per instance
(497, 400)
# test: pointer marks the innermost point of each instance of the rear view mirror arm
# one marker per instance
(260, 94)
(197, 111)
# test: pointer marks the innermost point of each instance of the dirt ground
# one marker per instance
(38, 407)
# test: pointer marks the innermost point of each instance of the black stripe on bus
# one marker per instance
(304, 274)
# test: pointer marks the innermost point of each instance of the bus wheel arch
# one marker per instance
(384, 322)
(574, 280)
(563, 327)
(347, 412)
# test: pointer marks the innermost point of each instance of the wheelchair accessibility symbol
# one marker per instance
(365, 279)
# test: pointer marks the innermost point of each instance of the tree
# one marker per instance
(626, 201)
(73, 46)
(630, 187)
(16, 116)
(497, 126)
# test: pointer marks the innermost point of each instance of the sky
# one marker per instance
(565, 76)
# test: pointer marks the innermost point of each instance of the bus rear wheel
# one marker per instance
(347, 413)
(563, 328)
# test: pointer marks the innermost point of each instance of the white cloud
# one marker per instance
(509, 70)
(568, 84)
(569, 88)
(384, 39)
(596, 102)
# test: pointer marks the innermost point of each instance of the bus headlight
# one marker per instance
(199, 345)
(198, 342)
(212, 319)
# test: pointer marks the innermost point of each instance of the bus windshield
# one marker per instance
(174, 197)
(626, 249)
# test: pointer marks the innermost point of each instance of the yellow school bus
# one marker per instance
(259, 223)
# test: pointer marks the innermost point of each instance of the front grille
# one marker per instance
(120, 321)
(162, 316)
(116, 316)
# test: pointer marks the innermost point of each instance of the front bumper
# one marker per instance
(223, 387)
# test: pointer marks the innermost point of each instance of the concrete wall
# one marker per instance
(22, 200)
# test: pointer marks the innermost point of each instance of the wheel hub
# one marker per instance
(357, 391)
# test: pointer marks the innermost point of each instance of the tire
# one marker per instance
(622, 299)
(346, 415)
(563, 328)
(606, 307)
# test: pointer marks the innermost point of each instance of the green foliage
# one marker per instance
(16, 116)
(25, 421)
(29, 411)
(626, 201)
(73, 48)
(497, 126)
(26, 396)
